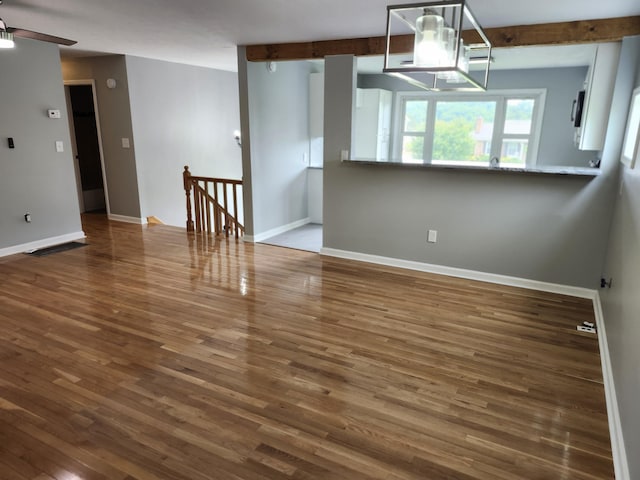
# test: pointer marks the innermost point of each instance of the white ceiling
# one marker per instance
(206, 32)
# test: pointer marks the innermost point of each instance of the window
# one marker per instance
(469, 129)
(463, 131)
(631, 144)
(414, 130)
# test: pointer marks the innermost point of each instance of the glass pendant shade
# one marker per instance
(428, 44)
(449, 44)
(463, 66)
(449, 57)
(464, 56)
(6, 39)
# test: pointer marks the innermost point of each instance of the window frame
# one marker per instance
(538, 95)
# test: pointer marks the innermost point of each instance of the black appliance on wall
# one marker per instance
(576, 109)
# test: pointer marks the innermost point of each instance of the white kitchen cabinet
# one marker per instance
(372, 126)
(314, 188)
(598, 94)
(316, 119)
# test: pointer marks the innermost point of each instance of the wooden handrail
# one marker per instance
(207, 206)
(213, 179)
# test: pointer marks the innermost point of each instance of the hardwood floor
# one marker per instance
(151, 354)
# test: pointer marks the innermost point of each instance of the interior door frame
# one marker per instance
(92, 83)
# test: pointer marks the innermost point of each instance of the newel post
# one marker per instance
(186, 177)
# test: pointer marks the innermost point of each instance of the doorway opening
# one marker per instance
(86, 144)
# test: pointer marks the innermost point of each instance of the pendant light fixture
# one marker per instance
(430, 44)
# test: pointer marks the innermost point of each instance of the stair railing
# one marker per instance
(212, 204)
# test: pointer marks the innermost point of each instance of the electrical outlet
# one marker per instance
(582, 328)
(605, 283)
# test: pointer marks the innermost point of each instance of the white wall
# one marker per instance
(34, 178)
(181, 115)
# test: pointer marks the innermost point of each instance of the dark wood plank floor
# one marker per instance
(151, 354)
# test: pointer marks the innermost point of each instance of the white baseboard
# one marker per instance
(275, 231)
(125, 219)
(462, 273)
(619, 453)
(45, 242)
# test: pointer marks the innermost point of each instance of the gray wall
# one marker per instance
(245, 128)
(182, 115)
(33, 177)
(278, 149)
(621, 303)
(115, 124)
(562, 84)
(545, 228)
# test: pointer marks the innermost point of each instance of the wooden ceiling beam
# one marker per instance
(561, 33)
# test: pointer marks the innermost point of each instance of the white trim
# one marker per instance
(275, 231)
(618, 451)
(45, 242)
(462, 273)
(123, 218)
(92, 83)
(74, 147)
(538, 114)
(500, 97)
(632, 132)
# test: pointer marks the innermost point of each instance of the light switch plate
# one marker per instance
(125, 143)
(432, 236)
(59, 146)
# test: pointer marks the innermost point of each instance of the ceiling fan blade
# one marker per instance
(43, 37)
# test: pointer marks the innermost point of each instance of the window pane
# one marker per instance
(632, 129)
(463, 132)
(514, 152)
(519, 115)
(415, 115)
(412, 149)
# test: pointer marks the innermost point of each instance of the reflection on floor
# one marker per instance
(307, 237)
